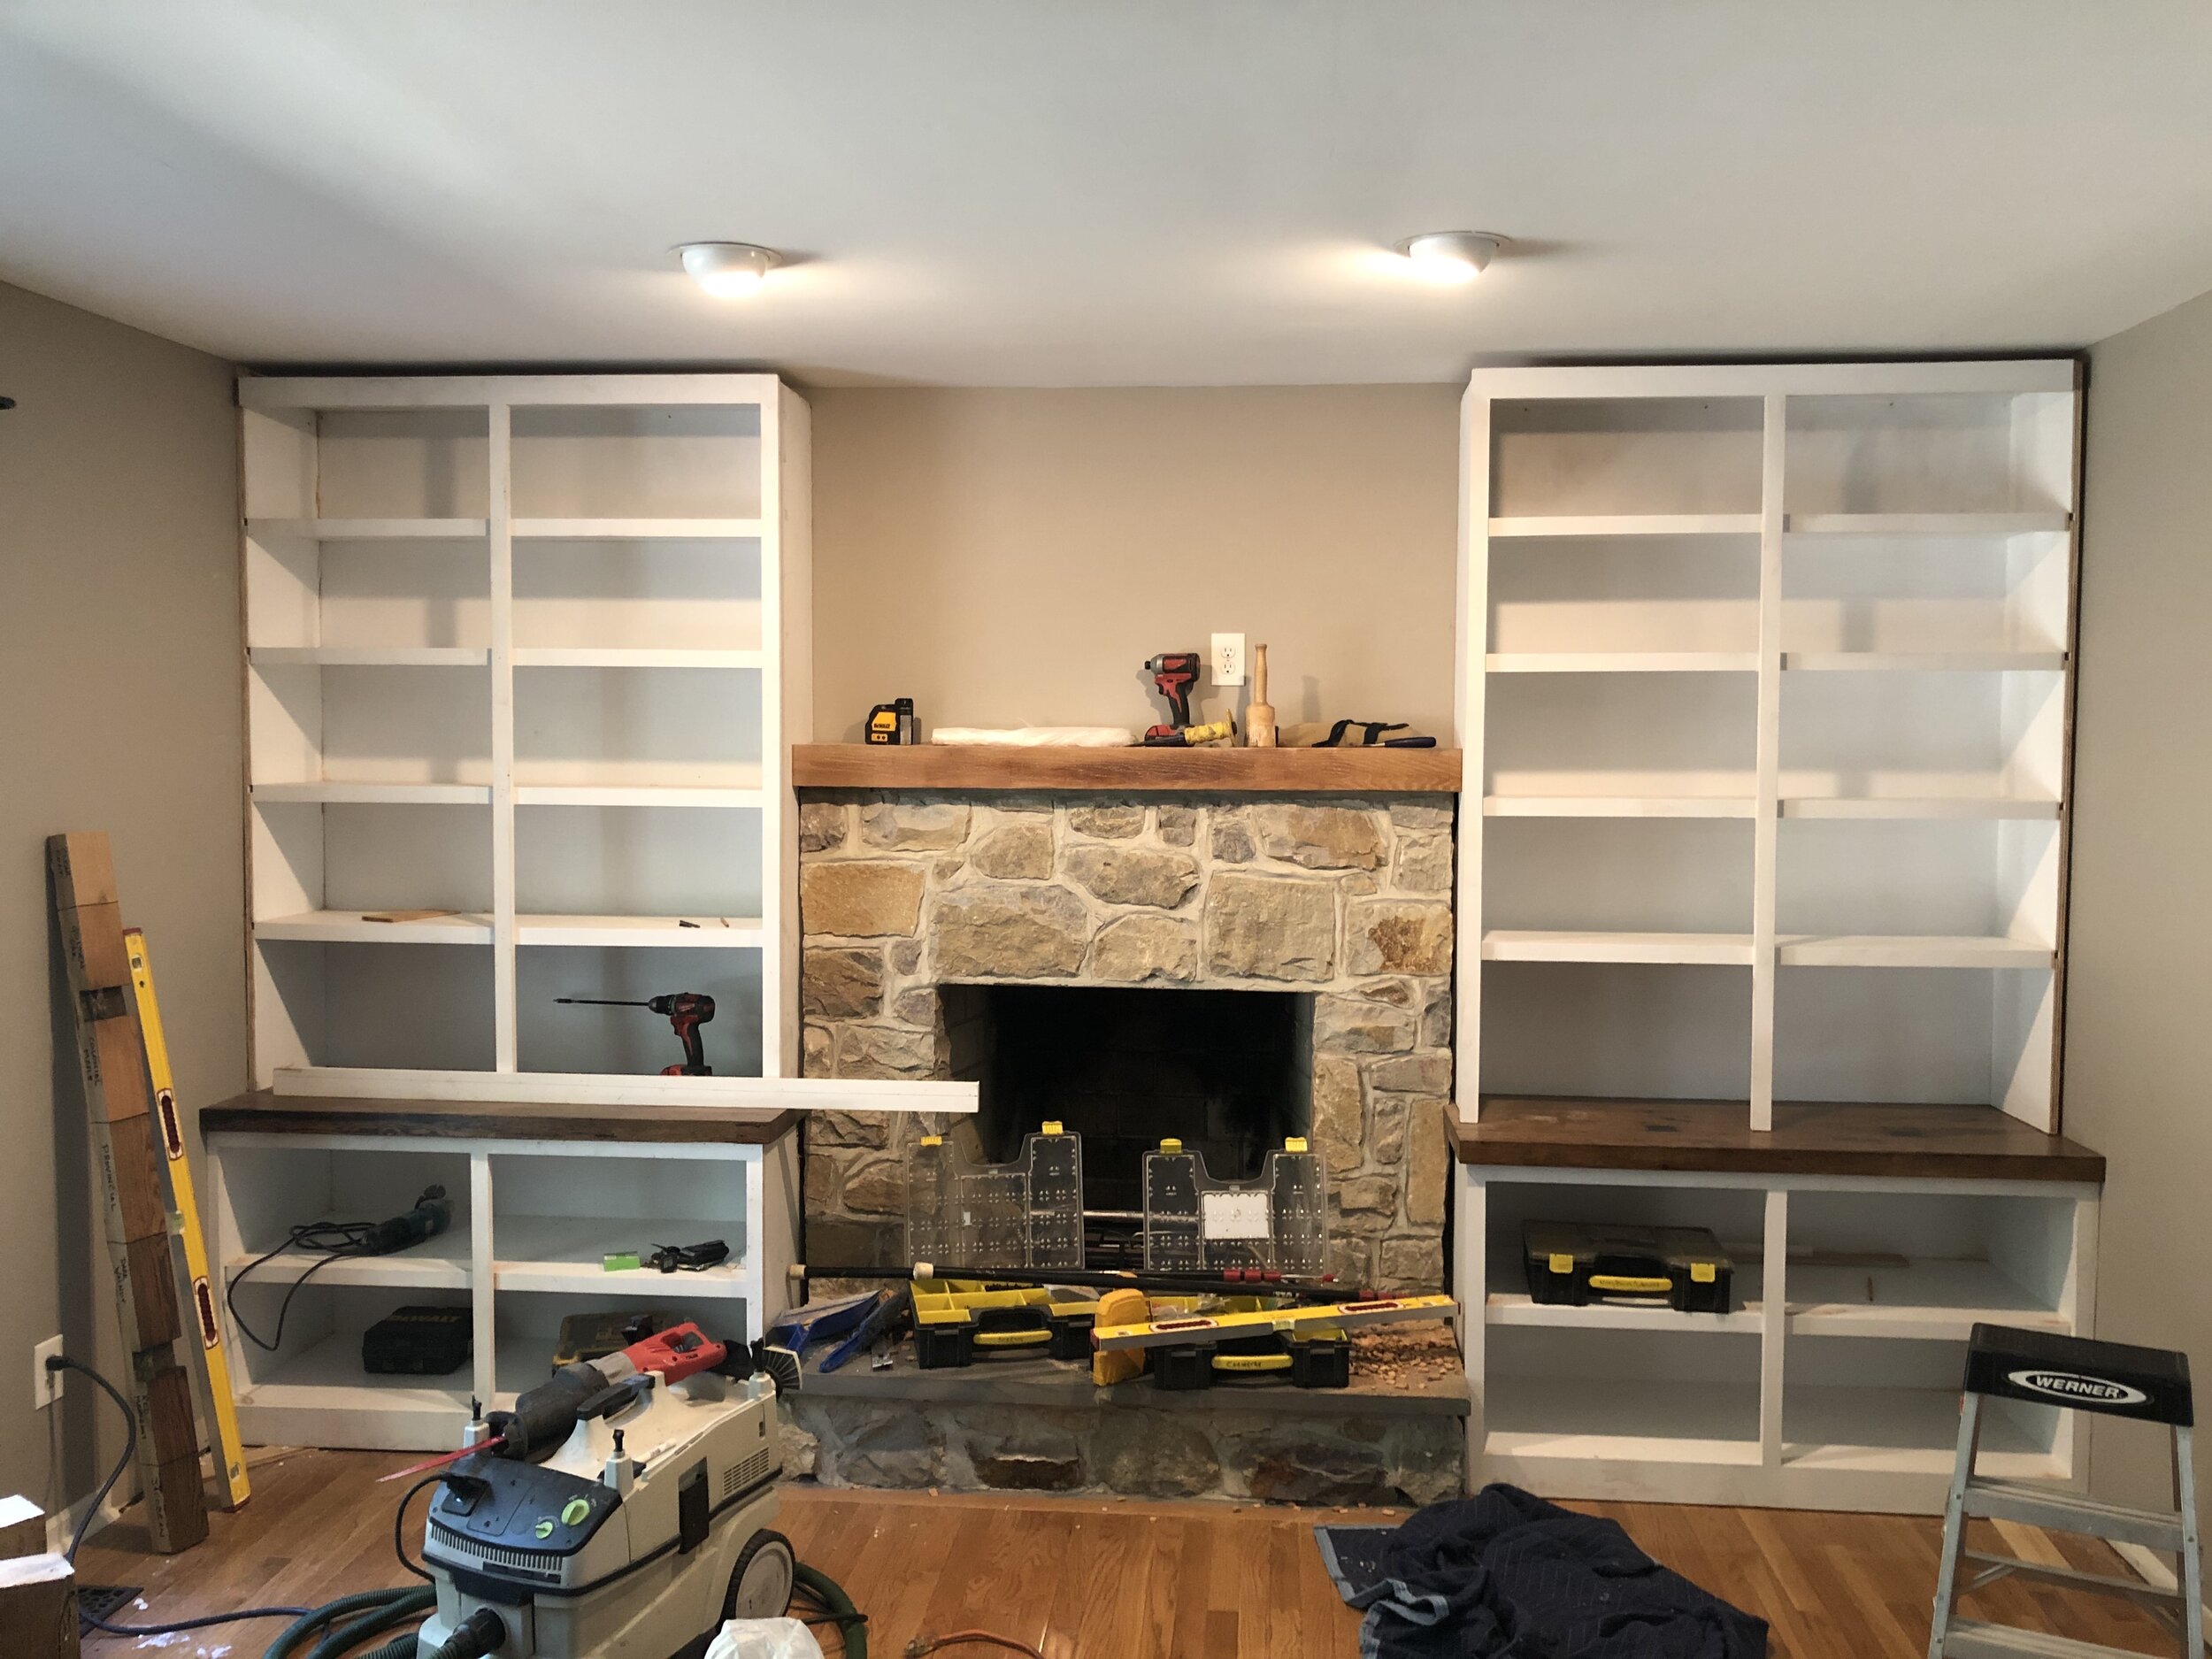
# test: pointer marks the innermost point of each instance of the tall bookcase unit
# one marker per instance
(528, 653)
(1765, 694)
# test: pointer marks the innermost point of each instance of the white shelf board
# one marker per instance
(1925, 662)
(1626, 1420)
(1930, 1301)
(329, 1376)
(564, 1253)
(376, 793)
(1910, 950)
(1926, 523)
(1622, 662)
(368, 529)
(630, 657)
(1900, 1432)
(1728, 949)
(638, 529)
(1953, 806)
(437, 1263)
(642, 794)
(1550, 525)
(660, 933)
(1618, 806)
(1515, 1307)
(370, 656)
(351, 927)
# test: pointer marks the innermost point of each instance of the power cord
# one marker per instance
(337, 1240)
(62, 1362)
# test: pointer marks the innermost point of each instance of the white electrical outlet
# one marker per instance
(1228, 659)
(46, 1384)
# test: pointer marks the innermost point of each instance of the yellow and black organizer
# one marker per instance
(1252, 1341)
(959, 1321)
(1571, 1263)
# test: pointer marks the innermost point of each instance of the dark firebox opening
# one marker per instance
(1227, 1072)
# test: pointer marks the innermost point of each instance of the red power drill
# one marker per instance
(1174, 672)
(687, 1011)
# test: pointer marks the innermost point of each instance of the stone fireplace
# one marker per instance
(1335, 911)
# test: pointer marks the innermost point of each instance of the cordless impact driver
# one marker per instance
(685, 1011)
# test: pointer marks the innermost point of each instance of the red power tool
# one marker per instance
(687, 1011)
(1174, 672)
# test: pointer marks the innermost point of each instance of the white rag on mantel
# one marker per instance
(1038, 736)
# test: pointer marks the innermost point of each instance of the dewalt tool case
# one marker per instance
(1572, 1263)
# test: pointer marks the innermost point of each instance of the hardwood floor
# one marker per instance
(1086, 1580)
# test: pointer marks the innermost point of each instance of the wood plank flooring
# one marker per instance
(1081, 1578)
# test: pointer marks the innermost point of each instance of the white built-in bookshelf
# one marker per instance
(531, 651)
(1764, 696)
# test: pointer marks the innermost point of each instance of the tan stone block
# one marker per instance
(918, 1007)
(1110, 820)
(1423, 863)
(840, 982)
(1338, 1129)
(1426, 1073)
(1375, 1194)
(1398, 936)
(886, 1051)
(876, 1189)
(1010, 933)
(1412, 1264)
(1021, 850)
(1135, 875)
(1436, 1020)
(1420, 815)
(1320, 837)
(1131, 949)
(863, 898)
(814, 1053)
(1428, 1161)
(1231, 838)
(1178, 825)
(1354, 1025)
(848, 1129)
(914, 825)
(1271, 927)
(906, 956)
(821, 825)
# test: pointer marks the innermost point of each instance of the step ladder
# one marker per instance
(2111, 1379)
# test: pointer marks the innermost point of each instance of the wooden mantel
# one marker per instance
(1127, 771)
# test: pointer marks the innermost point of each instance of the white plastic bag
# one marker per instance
(765, 1638)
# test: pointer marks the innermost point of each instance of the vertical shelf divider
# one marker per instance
(1766, 826)
(500, 545)
(1774, 1306)
(1469, 701)
(484, 1364)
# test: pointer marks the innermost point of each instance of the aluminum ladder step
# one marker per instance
(1973, 1638)
(2070, 1512)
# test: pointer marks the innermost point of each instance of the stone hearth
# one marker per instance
(1346, 899)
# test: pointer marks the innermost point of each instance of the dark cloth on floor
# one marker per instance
(1504, 1575)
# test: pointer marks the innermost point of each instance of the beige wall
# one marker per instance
(117, 547)
(1009, 558)
(2138, 1036)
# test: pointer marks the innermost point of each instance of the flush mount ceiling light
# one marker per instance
(727, 269)
(1451, 256)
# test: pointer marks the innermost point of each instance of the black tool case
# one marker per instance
(1572, 1263)
(417, 1341)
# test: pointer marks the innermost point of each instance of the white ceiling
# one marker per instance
(1100, 192)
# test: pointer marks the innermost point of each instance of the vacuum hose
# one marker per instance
(380, 1611)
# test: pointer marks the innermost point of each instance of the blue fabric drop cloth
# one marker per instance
(1504, 1575)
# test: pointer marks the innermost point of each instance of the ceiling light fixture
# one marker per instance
(1451, 256)
(727, 269)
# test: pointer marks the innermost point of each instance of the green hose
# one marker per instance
(381, 1610)
(852, 1625)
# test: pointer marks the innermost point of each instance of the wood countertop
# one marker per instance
(1138, 771)
(1941, 1143)
(267, 1113)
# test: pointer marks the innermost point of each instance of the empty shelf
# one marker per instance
(1952, 806)
(1923, 662)
(639, 794)
(354, 927)
(630, 657)
(638, 529)
(1926, 523)
(1622, 662)
(1618, 806)
(1934, 1300)
(1628, 524)
(1910, 950)
(417, 794)
(1730, 949)
(371, 655)
(662, 933)
(368, 529)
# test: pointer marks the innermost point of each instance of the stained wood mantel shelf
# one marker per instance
(1128, 771)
